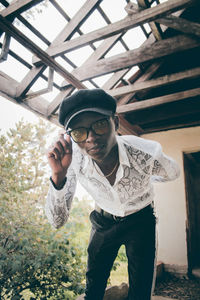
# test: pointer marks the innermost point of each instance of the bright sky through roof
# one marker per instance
(50, 23)
(11, 113)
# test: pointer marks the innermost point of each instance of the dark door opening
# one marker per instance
(192, 183)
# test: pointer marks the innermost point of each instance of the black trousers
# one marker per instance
(137, 233)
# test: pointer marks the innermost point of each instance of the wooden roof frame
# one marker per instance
(149, 58)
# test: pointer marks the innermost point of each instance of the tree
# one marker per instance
(33, 256)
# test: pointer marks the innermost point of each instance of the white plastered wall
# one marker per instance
(170, 198)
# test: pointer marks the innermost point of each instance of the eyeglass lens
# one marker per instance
(99, 127)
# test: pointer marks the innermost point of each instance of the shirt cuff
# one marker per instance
(60, 188)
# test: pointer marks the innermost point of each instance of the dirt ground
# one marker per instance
(178, 288)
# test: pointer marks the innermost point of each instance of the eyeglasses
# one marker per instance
(80, 134)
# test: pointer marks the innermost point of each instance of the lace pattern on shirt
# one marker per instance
(158, 169)
(136, 178)
(58, 210)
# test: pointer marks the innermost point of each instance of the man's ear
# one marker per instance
(116, 121)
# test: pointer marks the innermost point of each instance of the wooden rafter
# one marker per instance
(181, 25)
(11, 30)
(144, 16)
(162, 94)
(149, 72)
(64, 34)
(157, 101)
(155, 28)
(134, 57)
(18, 7)
(154, 83)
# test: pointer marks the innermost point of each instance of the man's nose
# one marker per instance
(91, 136)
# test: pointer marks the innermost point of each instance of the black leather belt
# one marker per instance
(117, 218)
(108, 215)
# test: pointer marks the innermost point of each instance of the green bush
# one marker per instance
(33, 256)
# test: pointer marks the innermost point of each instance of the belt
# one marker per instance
(108, 215)
(118, 218)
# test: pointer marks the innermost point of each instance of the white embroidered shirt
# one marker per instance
(141, 163)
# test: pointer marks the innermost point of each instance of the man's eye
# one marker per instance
(101, 123)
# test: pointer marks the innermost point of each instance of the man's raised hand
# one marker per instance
(59, 157)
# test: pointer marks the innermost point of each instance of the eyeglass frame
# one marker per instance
(88, 129)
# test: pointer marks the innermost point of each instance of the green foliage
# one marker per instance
(33, 256)
(79, 225)
(122, 255)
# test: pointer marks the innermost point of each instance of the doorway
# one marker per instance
(192, 184)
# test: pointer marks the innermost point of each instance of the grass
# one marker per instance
(120, 275)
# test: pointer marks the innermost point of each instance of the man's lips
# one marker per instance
(95, 149)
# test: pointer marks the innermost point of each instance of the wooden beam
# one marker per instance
(181, 25)
(37, 105)
(144, 16)
(126, 128)
(134, 57)
(145, 76)
(157, 101)
(72, 26)
(176, 123)
(166, 111)
(101, 51)
(18, 7)
(155, 28)
(7, 85)
(53, 106)
(97, 54)
(154, 83)
(78, 19)
(21, 38)
(28, 81)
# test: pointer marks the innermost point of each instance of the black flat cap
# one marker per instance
(96, 100)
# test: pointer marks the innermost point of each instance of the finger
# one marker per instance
(67, 138)
(66, 143)
(54, 153)
(60, 147)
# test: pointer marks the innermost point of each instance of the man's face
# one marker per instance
(96, 146)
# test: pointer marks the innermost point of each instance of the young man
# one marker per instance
(118, 172)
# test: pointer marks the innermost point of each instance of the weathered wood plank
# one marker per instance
(118, 75)
(126, 128)
(7, 85)
(10, 29)
(134, 57)
(154, 83)
(155, 28)
(147, 74)
(98, 53)
(181, 24)
(168, 111)
(37, 105)
(157, 101)
(19, 6)
(73, 24)
(144, 16)
(53, 106)
(29, 80)
(64, 34)
(174, 124)
(104, 47)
